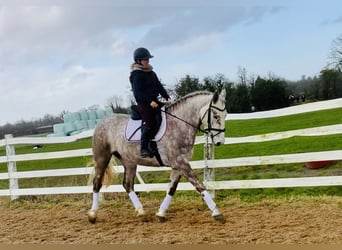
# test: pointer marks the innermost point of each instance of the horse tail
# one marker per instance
(108, 176)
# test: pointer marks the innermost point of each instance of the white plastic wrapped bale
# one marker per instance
(69, 127)
(100, 113)
(92, 115)
(81, 125)
(84, 115)
(58, 130)
(108, 112)
(91, 124)
(75, 132)
(71, 117)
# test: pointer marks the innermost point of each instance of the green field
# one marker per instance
(236, 128)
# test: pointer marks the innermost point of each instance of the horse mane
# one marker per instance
(188, 96)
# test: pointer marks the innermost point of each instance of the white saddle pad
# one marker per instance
(133, 130)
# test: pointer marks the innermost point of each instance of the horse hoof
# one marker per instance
(161, 218)
(92, 216)
(161, 215)
(140, 212)
(219, 218)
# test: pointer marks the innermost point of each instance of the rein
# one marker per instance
(188, 123)
(207, 130)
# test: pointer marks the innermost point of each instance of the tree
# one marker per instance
(94, 107)
(239, 101)
(214, 83)
(331, 83)
(115, 103)
(336, 53)
(269, 94)
(242, 75)
(24, 128)
(314, 89)
(187, 85)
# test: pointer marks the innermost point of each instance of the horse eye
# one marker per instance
(216, 117)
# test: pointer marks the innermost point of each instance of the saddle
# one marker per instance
(133, 127)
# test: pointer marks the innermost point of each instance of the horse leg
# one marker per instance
(192, 178)
(128, 184)
(101, 165)
(174, 179)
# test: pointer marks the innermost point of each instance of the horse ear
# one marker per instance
(219, 95)
(215, 97)
(223, 93)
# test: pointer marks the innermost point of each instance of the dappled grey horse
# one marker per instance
(184, 118)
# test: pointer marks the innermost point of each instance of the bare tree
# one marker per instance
(94, 107)
(335, 55)
(116, 104)
(242, 75)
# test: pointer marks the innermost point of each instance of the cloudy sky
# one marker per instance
(70, 55)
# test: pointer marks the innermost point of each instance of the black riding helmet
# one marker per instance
(141, 54)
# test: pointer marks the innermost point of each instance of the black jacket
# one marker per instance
(146, 86)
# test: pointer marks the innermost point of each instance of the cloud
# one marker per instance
(338, 20)
(30, 33)
(78, 30)
(190, 23)
(65, 55)
(47, 92)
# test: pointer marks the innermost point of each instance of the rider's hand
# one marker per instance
(154, 104)
(169, 101)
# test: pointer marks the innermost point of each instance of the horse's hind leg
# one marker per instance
(174, 180)
(101, 165)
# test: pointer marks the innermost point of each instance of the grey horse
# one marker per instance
(184, 118)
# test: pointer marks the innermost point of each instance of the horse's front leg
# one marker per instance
(192, 178)
(128, 184)
(174, 179)
(101, 165)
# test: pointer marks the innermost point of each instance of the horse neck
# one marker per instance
(189, 109)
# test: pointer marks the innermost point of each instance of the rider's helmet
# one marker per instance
(141, 54)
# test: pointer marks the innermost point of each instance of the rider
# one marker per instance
(146, 88)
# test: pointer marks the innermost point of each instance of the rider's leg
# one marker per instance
(145, 139)
(155, 128)
(148, 117)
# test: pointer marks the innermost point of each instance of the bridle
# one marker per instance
(208, 130)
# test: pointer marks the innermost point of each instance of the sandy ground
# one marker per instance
(295, 221)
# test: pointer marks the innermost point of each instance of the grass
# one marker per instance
(286, 146)
(235, 128)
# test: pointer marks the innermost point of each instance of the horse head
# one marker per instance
(213, 117)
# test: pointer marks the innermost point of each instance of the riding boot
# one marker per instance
(145, 139)
(152, 146)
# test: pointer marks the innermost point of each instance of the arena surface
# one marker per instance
(298, 221)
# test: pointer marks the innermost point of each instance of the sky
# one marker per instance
(70, 55)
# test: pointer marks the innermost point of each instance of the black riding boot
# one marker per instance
(152, 146)
(145, 139)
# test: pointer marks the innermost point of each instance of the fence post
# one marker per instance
(11, 166)
(209, 173)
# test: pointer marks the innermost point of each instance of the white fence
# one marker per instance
(12, 175)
